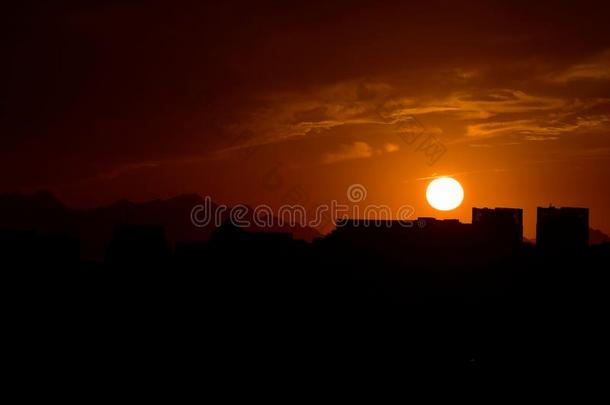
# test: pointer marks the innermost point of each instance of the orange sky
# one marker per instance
(125, 100)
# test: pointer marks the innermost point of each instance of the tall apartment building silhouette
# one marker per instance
(562, 228)
(500, 226)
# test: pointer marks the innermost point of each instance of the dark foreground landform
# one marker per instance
(351, 302)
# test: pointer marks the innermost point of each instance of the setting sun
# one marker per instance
(445, 193)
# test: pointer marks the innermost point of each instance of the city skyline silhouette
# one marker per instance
(234, 197)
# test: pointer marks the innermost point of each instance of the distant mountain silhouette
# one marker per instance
(597, 237)
(44, 213)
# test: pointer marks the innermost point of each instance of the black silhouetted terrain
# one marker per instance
(43, 213)
(433, 295)
(597, 237)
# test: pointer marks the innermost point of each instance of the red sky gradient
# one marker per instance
(249, 102)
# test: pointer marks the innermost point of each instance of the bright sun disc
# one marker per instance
(444, 193)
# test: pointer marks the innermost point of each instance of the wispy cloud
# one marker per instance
(477, 112)
(486, 104)
(356, 150)
(536, 129)
(594, 68)
(391, 147)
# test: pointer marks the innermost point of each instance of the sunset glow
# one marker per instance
(118, 101)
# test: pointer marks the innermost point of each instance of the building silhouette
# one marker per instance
(562, 229)
(501, 227)
(41, 250)
(424, 242)
(231, 233)
(138, 245)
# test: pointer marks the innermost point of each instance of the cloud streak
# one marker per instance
(356, 150)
